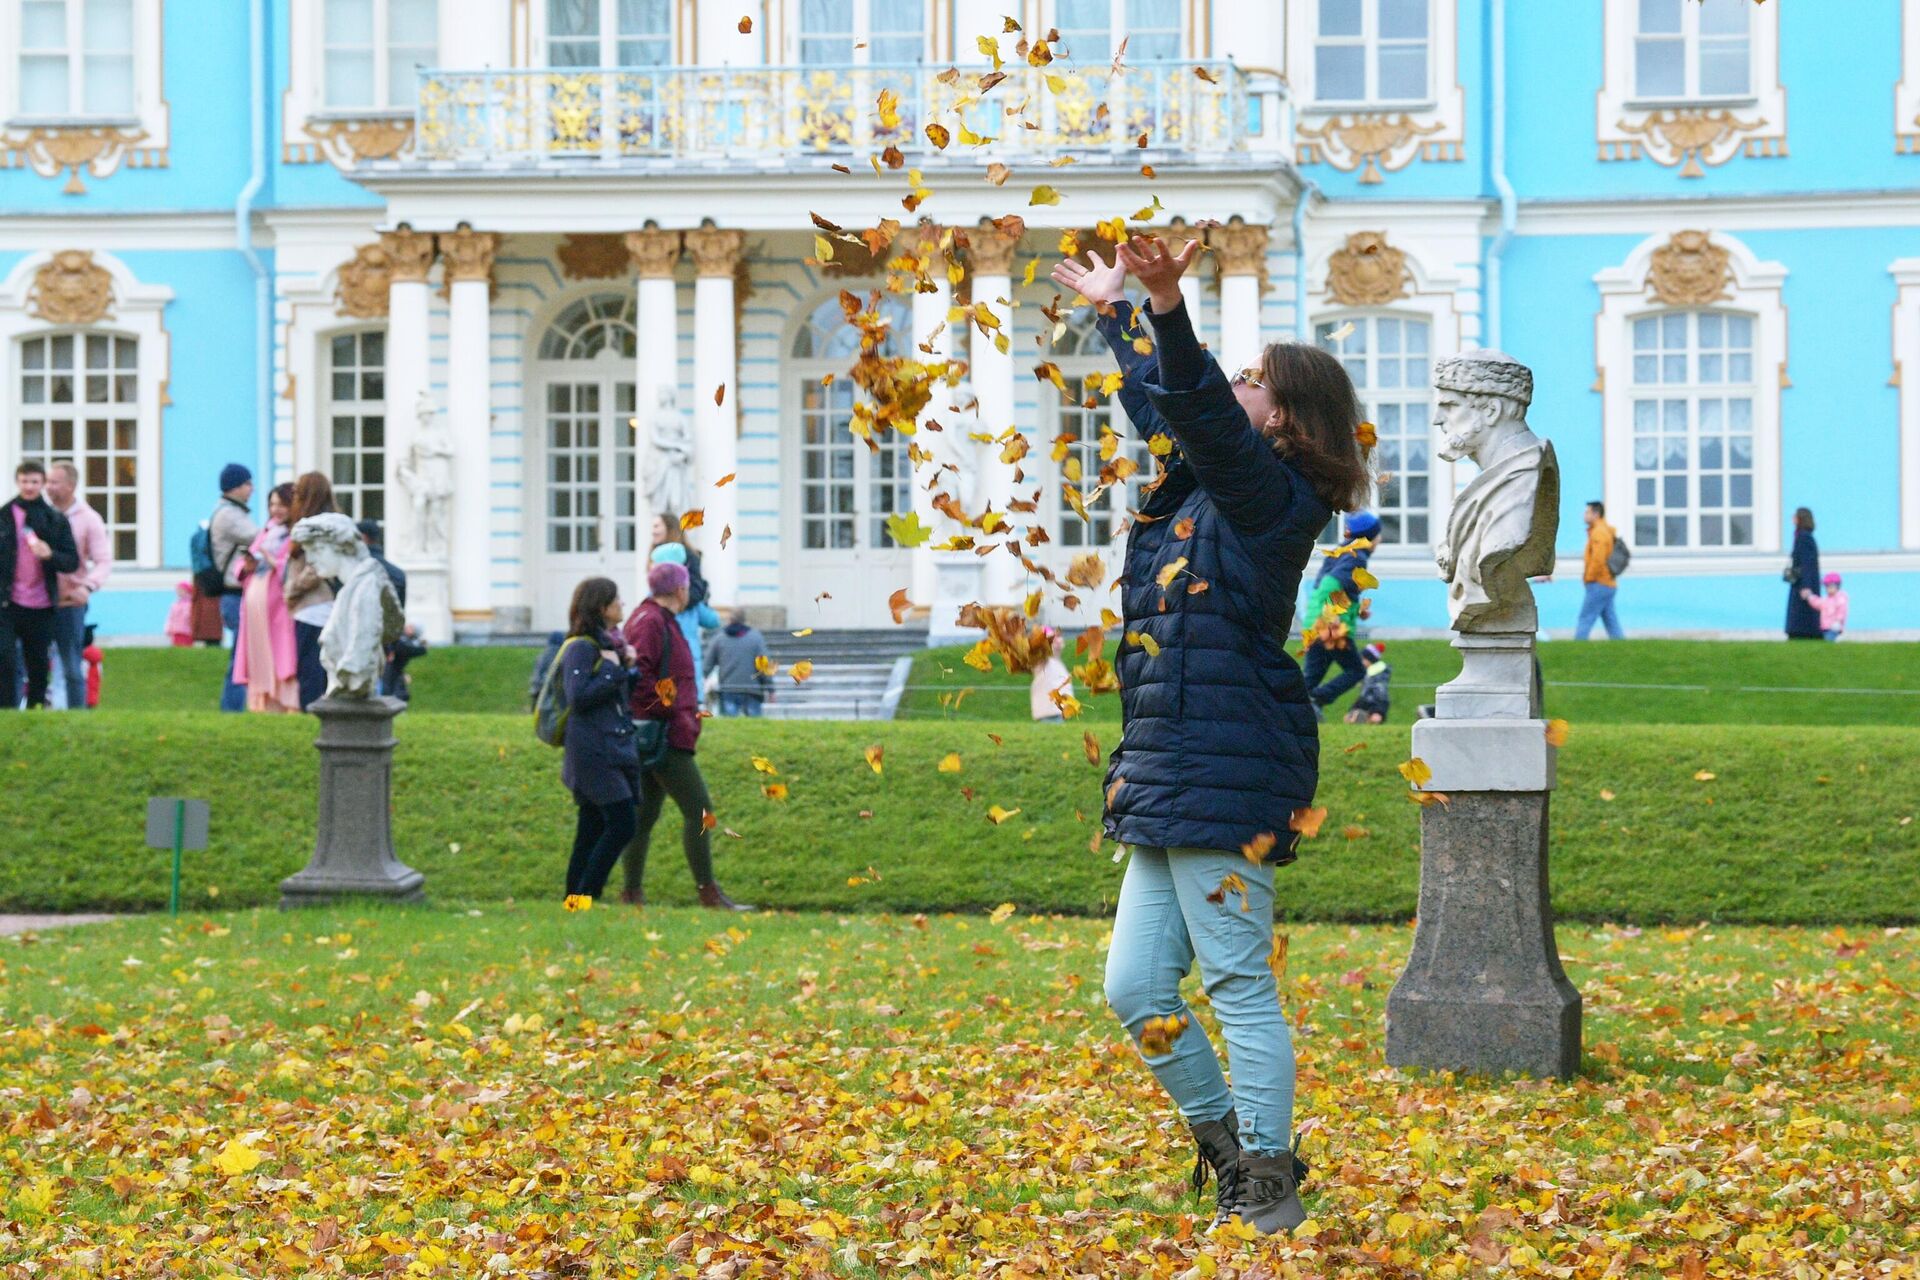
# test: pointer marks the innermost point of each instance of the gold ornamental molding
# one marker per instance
(1690, 270)
(1367, 271)
(70, 288)
(1373, 143)
(655, 253)
(348, 142)
(593, 255)
(1690, 137)
(409, 252)
(468, 254)
(97, 149)
(715, 250)
(364, 281)
(1240, 248)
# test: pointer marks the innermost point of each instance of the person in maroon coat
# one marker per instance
(664, 689)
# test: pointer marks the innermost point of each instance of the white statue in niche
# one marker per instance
(427, 473)
(669, 472)
(366, 616)
(1503, 524)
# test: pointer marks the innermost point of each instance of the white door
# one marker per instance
(584, 426)
(844, 562)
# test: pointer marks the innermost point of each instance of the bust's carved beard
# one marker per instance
(1454, 448)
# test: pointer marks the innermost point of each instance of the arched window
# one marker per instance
(1389, 359)
(593, 324)
(847, 490)
(80, 401)
(1087, 438)
(587, 372)
(356, 418)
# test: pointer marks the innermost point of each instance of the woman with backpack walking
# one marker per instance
(602, 767)
(664, 691)
(1219, 747)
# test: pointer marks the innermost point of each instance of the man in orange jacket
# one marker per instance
(1598, 605)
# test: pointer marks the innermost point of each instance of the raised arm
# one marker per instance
(1233, 462)
(1105, 286)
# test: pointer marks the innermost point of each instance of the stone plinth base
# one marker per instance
(1483, 992)
(353, 845)
(430, 601)
(956, 582)
(1496, 681)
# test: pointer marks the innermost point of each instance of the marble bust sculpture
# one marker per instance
(366, 613)
(1504, 521)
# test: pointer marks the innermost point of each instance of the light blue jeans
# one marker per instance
(1165, 920)
(1598, 607)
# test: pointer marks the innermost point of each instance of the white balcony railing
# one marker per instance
(1186, 111)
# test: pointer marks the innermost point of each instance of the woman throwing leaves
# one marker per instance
(1219, 746)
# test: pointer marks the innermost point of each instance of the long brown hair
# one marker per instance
(312, 496)
(1320, 415)
(671, 523)
(587, 614)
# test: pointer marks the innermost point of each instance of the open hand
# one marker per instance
(1102, 283)
(1148, 258)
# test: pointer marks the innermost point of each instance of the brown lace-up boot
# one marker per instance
(712, 895)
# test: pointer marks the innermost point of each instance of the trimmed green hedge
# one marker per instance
(1798, 826)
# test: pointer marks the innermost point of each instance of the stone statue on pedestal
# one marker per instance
(1503, 523)
(1483, 991)
(958, 412)
(366, 617)
(427, 473)
(669, 469)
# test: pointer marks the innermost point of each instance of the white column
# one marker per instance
(930, 329)
(716, 445)
(467, 256)
(993, 382)
(411, 254)
(655, 254)
(1192, 290)
(1242, 249)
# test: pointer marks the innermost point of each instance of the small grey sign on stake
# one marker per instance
(164, 812)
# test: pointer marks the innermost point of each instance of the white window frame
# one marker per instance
(1627, 125)
(1439, 472)
(1432, 130)
(75, 49)
(1755, 289)
(137, 312)
(149, 117)
(609, 35)
(1906, 94)
(310, 130)
(1906, 376)
(383, 105)
(79, 413)
(1120, 27)
(1369, 40)
(861, 35)
(359, 408)
(1690, 39)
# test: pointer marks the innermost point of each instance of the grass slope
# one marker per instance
(1799, 825)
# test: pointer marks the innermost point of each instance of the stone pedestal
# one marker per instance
(957, 579)
(430, 600)
(1496, 679)
(353, 845)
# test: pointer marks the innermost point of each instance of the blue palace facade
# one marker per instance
(331, 234)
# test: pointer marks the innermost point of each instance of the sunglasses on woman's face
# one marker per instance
(1249, 377)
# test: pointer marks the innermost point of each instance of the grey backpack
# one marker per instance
(1619, 558)
(550, 706)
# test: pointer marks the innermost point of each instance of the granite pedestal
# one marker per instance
(353, 844)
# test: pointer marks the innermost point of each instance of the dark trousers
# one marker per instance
(1352, 671)
(32, 631)
(312, 676)
(598, 837)
(678, 776)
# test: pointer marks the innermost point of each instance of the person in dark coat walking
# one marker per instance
(1803, 575)
(36, 547)
(664, 689)
(1219, 746)
(602, 767)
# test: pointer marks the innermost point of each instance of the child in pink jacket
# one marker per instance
(1832, 607)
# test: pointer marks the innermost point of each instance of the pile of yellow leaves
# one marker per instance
(531, 1094)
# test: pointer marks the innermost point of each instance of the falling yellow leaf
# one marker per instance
(1044, 195)
(949, 763)
(875, 757)
(1366, 435)
(1307, 821)
(692, 519)
(1002, 913)
(997, 174)
(801, 670)
(939, 135)
(763, 765)
(664, 689)
(775, 790)
(1171, 570)
(1158, 1034)
(899, 605)
(1145, 641)
(724, 480)
(996, 815)
(1257, 849)
(1556, 733)
(1365, 580)
(889, 108)
(1416, 771)
(720, 394)
(1092, 746)
(908, 530)
(764, 665)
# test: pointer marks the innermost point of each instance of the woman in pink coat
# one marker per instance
(267, 662)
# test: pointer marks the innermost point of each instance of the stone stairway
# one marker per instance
(856, 674)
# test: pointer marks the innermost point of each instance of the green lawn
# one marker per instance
(1798, 825)
(516, 1091)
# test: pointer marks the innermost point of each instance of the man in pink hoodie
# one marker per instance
(77, 588)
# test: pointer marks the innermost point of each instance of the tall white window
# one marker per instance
(1091, 30)
(1693, 430)
(844, 32)
(1372, 51)
(373, 51)
(80, 401)
(609, 33)
(1692, 49)
(1388, 359)
(1088, 439)
(76, 58)
(847, 490)
(356, 418)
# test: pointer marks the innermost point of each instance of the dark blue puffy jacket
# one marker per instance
(1219, 743)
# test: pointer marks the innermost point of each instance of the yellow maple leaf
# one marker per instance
(1556, 733)
(949, 763)
(1170, 571)
(237, 1158)
(1416, 771)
